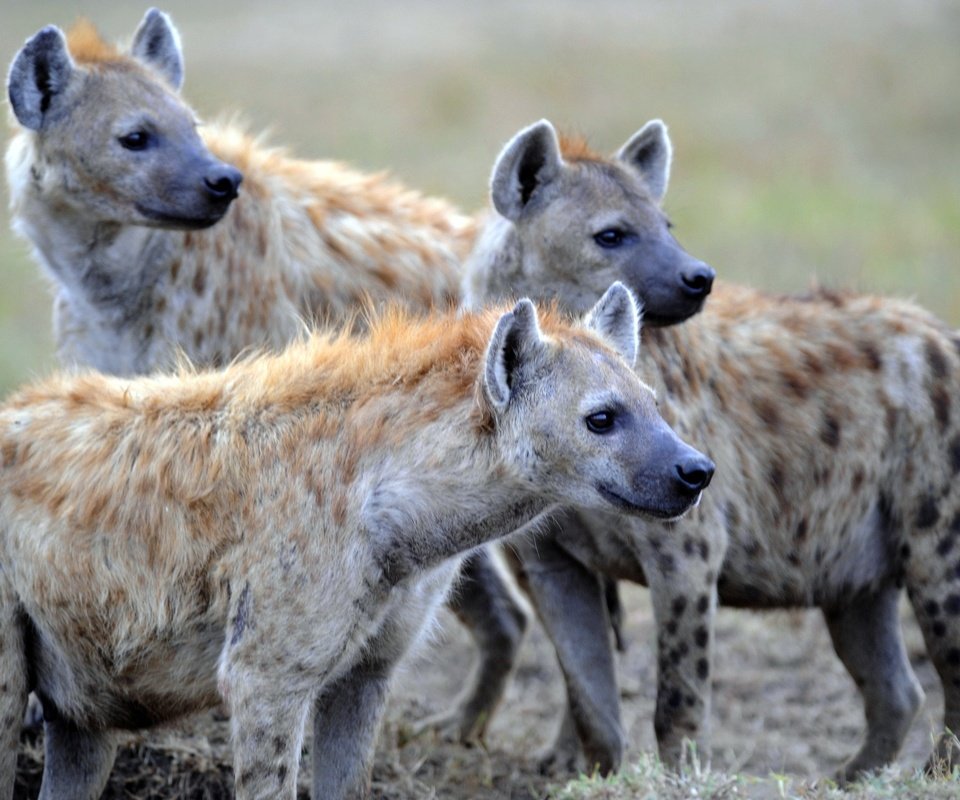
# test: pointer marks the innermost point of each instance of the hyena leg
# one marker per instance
(497, 623)
(345, 723)
(13, 675)
(933, 586)
(267, 716)
(570, 602)
(76, 763)
(867, 636)
(683, 591)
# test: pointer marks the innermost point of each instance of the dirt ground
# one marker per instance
(782, 704)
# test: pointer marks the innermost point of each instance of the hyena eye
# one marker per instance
(611, 237)
(136, 140)
(600, 421)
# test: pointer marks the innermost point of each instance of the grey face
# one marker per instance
(118, 142)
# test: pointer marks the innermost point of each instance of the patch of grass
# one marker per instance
(648, 779)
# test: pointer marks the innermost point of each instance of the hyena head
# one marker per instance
(583, 221)
(578, 423)
(111, 138)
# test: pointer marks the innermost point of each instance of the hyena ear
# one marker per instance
(616, 317)
(526, 166)
(157, 44)
(514, 342)
(38, 76)
(649, 152)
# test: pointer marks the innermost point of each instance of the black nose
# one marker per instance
(698, 282)
(222, 182)
(694, 473)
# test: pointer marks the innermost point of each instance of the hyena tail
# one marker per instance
(13, 684)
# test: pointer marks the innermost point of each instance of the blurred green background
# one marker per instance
(813, 140)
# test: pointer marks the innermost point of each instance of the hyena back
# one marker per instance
(279, 531)
(104, 133)
(835, 424)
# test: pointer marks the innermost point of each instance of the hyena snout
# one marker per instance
(697, 280)
(694, 472)
(671, 478)
(222, 182)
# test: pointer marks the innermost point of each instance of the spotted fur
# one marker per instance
(835, 425)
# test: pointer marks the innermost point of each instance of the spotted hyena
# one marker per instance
(120, 195)
(275, 534)
(834, 422)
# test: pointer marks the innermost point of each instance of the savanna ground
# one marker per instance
(814, 141)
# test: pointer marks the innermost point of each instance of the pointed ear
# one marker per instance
(616, 317)
(38, 77)
(527, 165)
(512, 344)
(649, 152)
(157, 44)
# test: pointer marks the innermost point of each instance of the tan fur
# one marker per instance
(270, 531)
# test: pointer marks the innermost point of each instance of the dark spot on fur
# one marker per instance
(752, 548)
(945, 545)
(953, 657)
(679, 606)
(199, 279)
(671, 627)
(928, 513)
(858, 478)
(941, 406)
(279, 745)
(871, 355)
(936, 359)
(733, 517)
(800, 533)
(703, 603)
(905, 552)
(688, 546)
(775, 477)
(242, 619)
(667, 563)
(830, 432)
(703, 668)
(955, 454)
(701, 636)
(704, 550)
(675, 698)
(952, 604)
(282, 774)
(767, 411)
(931, 608)
(939, 629)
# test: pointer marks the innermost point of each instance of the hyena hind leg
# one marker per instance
(867, 636)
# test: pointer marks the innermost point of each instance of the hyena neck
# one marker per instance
(418, 517)
(494, 269)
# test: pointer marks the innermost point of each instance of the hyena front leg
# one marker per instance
(570, 602)
(76, 762)
(681, 564)
(345, 723)
(497, 623)
(267, 716)
(13, 676)
(867, 636)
